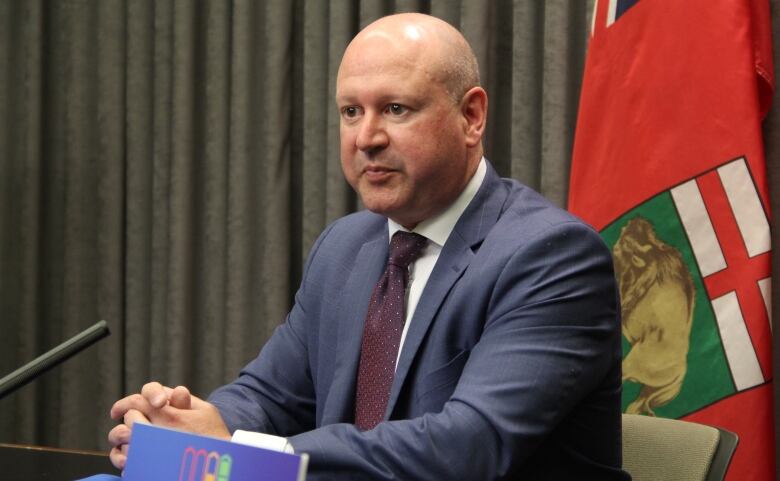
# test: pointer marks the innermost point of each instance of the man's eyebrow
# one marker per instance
(348, 97)
(343, 99)
(394, 97)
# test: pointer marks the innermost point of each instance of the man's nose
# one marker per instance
(372, 135)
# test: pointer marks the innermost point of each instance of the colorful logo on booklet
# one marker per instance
(201, 465)
(161, 454)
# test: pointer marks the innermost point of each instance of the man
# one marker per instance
(509, 361)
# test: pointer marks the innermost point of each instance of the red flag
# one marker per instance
(669, 166)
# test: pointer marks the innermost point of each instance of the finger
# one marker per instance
(124, 450)
(118, 457)
(181, 398)
(119, 435)
(134, 416)
(156, 394)
(134, 401)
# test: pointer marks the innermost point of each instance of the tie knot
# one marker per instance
(405, 247)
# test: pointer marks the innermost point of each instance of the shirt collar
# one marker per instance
(439, 227)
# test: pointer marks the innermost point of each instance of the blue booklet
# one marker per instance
(162, 454)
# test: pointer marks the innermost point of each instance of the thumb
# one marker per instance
(181, 398)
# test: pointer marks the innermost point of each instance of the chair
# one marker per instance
(658, 449)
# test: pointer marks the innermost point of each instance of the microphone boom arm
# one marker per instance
(55, 356)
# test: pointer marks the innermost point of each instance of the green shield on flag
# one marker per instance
(706, 376)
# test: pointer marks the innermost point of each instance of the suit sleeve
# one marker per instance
(548, 343)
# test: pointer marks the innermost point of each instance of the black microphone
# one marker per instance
(46, 361)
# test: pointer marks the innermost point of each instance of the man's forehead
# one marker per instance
(380, 51)
(378, 44)
(383, 75)
(380, 87)
(380, 61)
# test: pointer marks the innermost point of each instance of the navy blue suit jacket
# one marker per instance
(510, 368)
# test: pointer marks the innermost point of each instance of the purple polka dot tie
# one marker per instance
(382, 331)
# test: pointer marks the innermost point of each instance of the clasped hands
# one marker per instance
(163, 406)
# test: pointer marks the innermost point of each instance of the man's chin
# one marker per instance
(384, 207)
(379, 208)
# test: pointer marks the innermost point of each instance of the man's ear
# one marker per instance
(474, 110)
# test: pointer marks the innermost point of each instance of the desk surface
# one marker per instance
(30, 463)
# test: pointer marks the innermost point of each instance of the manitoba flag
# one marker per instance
(669, 166)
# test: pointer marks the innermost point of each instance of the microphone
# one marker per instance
(46, 361)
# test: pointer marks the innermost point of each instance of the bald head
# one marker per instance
(423, 40)
(412, 116)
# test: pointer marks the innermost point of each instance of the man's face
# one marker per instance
(403, 146)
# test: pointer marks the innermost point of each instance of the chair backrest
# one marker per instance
(658, 449)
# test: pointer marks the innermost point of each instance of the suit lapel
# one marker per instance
(369, 265)
(472, 227)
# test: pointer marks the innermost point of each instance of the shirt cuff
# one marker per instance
(262, 440)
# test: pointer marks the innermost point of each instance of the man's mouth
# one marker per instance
(377, 173)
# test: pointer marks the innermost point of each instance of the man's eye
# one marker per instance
(350, 112)
(396, 109)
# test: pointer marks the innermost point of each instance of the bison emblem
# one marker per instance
(657, 297)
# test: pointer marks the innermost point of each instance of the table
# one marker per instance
(33, 463)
